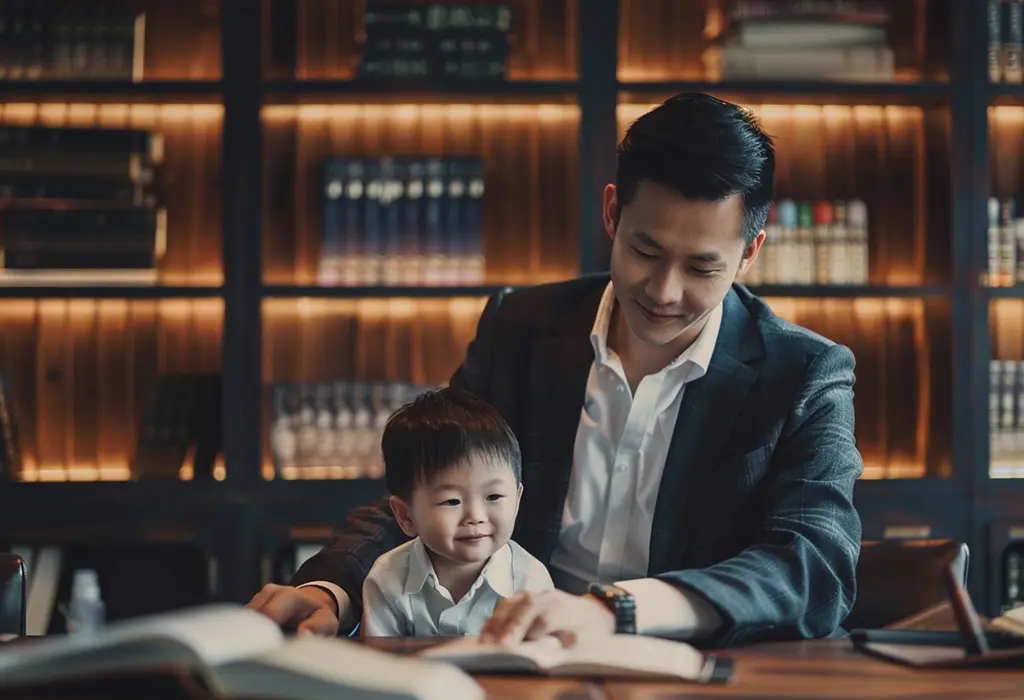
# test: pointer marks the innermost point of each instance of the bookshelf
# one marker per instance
(251, 103)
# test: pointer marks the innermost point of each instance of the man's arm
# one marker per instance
(369, 531)
(798, 580)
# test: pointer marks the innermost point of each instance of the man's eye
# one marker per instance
(449, 502)
(642, 254)
(699, 271)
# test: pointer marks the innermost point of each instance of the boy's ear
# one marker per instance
(519, 498)
(401, 511)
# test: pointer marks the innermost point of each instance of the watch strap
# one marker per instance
(621, 603)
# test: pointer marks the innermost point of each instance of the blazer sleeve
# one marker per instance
(798, 579)
(371, 530)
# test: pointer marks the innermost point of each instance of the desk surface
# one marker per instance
(813, 669)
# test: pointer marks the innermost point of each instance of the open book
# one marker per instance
(237, 652)
(616, 656)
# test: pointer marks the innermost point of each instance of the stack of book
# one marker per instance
(842, 40)
(403, 221)
(46, 39)
(435, 41)
(1006, 419)
(1005, 40)
(332, 429)
(1005, 243)
(77, 205)
(814, 243)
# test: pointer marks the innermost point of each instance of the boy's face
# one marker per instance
(465, 513)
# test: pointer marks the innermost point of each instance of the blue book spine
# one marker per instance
(473, 223)
(373, 208)
(352, 216)
(391, 205)
(413, 221)
(332, 251)
(434, 233)
(455, 233)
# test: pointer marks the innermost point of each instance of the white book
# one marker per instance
(237, 652)
(624, 656)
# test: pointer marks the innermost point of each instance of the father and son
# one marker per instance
(648, 451)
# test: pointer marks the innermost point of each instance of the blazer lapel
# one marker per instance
(706, 418)
(559, 367)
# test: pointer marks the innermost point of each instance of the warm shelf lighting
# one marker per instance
(1007, 116)
(405, 113)
(58, 114)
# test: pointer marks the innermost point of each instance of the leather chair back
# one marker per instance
(12, 594)
(900, 578)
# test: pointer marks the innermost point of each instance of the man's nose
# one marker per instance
(665, 287)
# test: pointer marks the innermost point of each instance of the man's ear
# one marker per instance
(610, 210)
(750, 253)
(401, 511)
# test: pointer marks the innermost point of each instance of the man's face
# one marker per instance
(673, 259)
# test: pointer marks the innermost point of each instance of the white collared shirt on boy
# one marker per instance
(403, 598)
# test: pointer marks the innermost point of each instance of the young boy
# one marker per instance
(453, 468)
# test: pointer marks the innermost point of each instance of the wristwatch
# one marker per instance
(622, 604)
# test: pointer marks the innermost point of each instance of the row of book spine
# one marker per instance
(79, 204)
(1005, 243)
(1013, 575)
(1006, 419)
(333, 429)
(435, 41)
(47, 39)
(814, 243)
(1005, 40)
(403, 221)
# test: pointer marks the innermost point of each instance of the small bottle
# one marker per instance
(86, 613)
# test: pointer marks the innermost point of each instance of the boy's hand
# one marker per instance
(549, 613)
(307, 610)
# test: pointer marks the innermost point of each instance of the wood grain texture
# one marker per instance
(188, 182)
(84, 372)
(321, 39)
(896, 159)
(1006, 329)
(828, 669)
(530, 152)
(1006, 151)
(182, 38)
(664, 39)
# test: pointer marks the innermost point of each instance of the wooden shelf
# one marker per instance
(317, 292)
(380, 91)
(797, 91)
(1015, 292)
(108, 292)
(163, 91)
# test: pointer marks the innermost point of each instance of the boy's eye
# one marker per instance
(495, 496)
(449, 502)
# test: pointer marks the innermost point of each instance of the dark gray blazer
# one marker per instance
(755, 509)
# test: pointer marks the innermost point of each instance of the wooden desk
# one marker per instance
(815, 669)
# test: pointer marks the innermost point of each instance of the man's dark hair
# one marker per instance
(441, 429)
(704, 149)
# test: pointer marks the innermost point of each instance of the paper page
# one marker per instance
(215, 633)
(917, 655)
(628, 655)
(471, 654)
(343, 663)
(1011, 621)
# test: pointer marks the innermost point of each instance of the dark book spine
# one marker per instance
(26, 190)
(76, 260)
(1013, 41)
(394, 177)
(332, 250)
(134, 141)
(10, 439)
(995, 40)
(373, 212)
(434, 233)
(412, 224)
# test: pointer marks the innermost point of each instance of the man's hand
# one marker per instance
(555, 613)
(309, 610)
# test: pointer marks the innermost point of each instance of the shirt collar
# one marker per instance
(697, 356)
(497, 572)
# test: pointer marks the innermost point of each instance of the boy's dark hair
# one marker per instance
(703, 148)
(440, 429)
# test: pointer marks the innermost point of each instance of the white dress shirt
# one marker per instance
(402, 596)
(618, 459)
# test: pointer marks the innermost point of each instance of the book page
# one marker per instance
(473, 655)
(628, 655)
(215, 634)
(1011, 621)
(343, 664)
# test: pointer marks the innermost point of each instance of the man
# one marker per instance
(679, 439)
